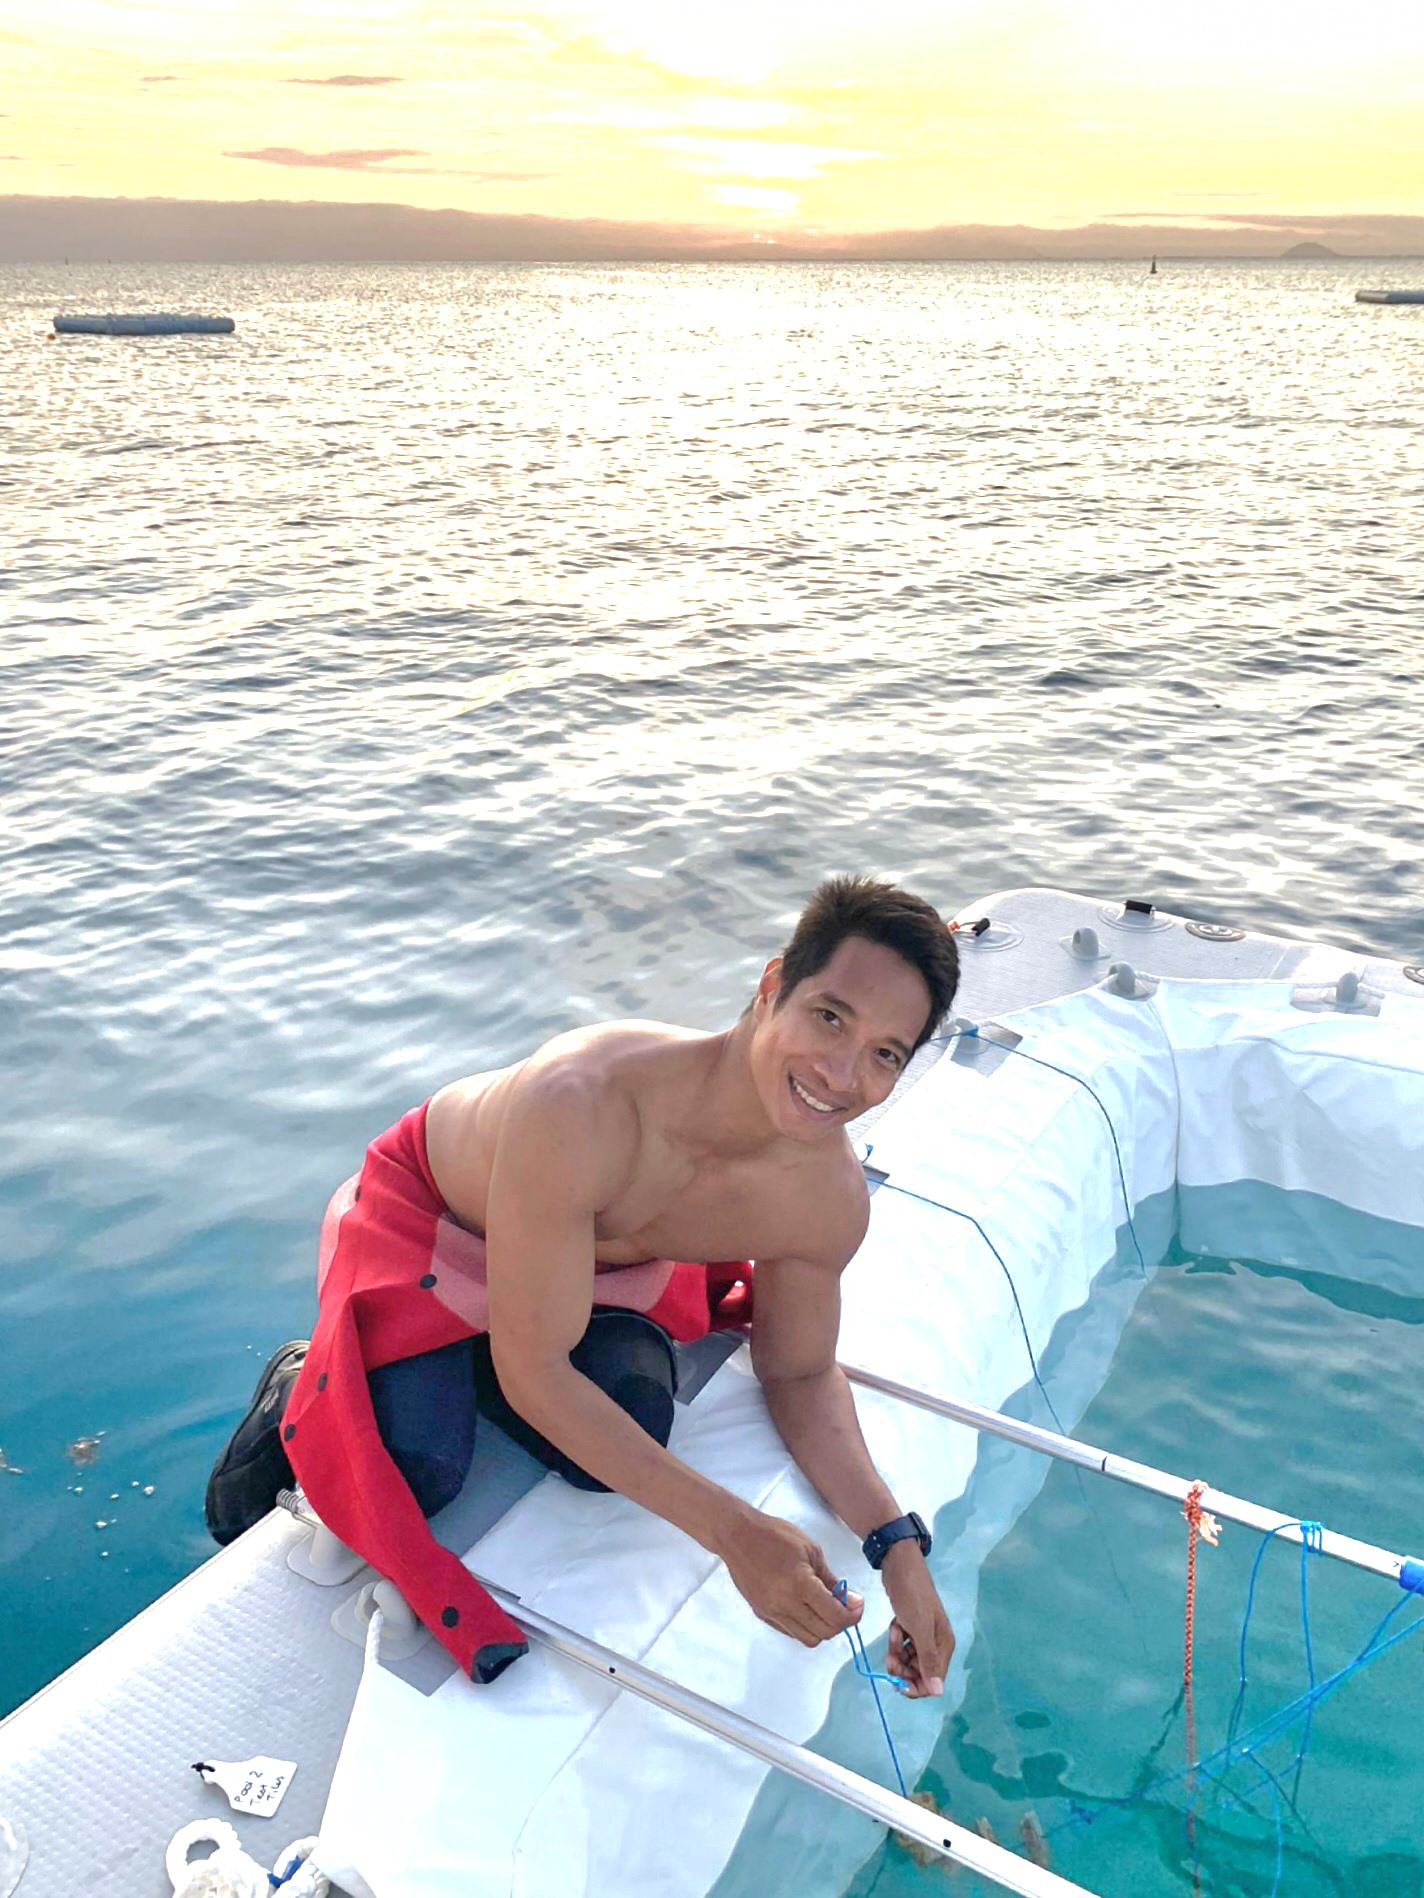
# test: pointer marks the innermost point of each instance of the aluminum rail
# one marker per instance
(940, 1836)
(1363, 1555)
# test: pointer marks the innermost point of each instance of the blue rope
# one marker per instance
(939, 1206)
(1312, 1536)
(1245, 1746)
(1039, 1062)
(1080, 1814)
(861, 1661)
(1274, 1725)
(972, 1032)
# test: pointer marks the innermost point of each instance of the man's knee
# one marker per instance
(631, 1360)
(434, 1481)
(425, 1412)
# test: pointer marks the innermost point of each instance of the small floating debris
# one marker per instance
(920, 1853)
(1389, 296)
(1032, 1839)
(83, 1451)
(7, 1467)
(155, 323)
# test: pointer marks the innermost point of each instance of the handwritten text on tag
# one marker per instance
(254, 1785)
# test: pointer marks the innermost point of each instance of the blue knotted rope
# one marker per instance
(861, 1661)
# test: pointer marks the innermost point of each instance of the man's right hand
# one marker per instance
(783, 1577)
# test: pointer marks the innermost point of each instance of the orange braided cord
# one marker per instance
(1200, 1524)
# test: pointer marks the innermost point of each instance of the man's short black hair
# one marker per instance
(859, 906)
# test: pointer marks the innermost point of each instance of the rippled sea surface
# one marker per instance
(456, 654)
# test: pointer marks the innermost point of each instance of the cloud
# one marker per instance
(464, 171)
(357, 160)
(682, 114)
(491, 35)
(376, 162)
(1304, 220)
(766, 159)
(157, 78)
(1193, 197)
(758, 198)
(351, 79)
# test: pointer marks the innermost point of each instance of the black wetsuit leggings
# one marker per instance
(426, 1406)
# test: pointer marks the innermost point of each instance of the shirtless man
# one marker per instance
(608, 1148)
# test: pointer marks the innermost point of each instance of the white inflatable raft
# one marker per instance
(1191, 1056)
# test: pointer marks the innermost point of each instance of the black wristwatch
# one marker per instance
(880, 1541)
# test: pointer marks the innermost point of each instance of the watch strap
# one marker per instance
(880, 1541)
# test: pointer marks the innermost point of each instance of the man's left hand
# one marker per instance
(921, 1639)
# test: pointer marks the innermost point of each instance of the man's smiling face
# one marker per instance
(835, 1046)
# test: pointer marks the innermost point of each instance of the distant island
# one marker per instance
(176, 230)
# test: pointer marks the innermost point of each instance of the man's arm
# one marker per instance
(567, 1146)
(794, 1330)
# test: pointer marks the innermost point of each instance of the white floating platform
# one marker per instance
(1217, 1054)
(157, 323)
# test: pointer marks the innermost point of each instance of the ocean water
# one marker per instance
(456, 654)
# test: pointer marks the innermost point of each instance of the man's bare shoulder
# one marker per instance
(610, 1060)
(585, 1106)
(835, 1203)
(606, 1044)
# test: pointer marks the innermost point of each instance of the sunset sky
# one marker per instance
(751, 114)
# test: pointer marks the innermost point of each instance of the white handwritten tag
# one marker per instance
(255, 1785)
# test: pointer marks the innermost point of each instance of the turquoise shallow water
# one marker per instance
(1073, 1685)
(454, 655)
(1281, 1383)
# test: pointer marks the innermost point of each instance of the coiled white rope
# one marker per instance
(230, 1873)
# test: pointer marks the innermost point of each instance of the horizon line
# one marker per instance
(37, 228)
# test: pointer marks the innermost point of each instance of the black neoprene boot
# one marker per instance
(245, 1479)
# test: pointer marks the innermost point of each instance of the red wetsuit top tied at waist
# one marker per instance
(399, 1275)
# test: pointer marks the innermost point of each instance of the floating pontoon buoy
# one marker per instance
(1389, 296)
(155, 324)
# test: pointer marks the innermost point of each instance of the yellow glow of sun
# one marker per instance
(838, 116)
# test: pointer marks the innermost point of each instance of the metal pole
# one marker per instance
(1141, 1475)
(940, 1836)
